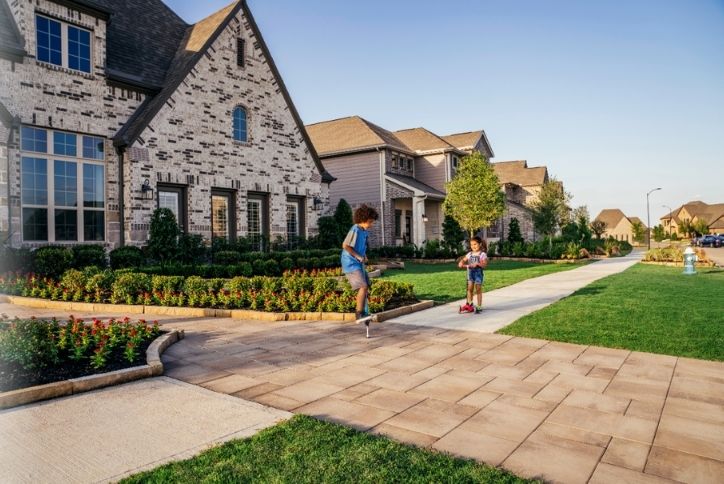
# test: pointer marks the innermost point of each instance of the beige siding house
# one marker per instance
(693, 212)
(618, 225)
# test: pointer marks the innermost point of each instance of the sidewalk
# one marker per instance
(503, 306)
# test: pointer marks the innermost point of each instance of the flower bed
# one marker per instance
(36, 352)
(271, 294)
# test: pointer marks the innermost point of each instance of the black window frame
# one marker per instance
(263, 197)
(182, 190)
(231, 195)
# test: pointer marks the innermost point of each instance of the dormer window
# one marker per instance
(62, 44)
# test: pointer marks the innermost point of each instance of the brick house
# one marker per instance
(112, 108)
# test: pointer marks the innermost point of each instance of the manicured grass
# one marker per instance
(645, 308)
(446, 283)
(306, 450)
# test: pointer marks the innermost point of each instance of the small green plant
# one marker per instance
(126, 256)
(52, 261)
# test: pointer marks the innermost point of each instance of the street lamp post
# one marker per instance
(666, 206)
(648, 218)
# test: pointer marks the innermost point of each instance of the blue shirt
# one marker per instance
(357, 239)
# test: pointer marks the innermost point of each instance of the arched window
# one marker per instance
(240, 124)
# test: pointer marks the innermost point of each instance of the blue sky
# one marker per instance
(614, 97)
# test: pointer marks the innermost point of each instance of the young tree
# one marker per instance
(343, 217)
(686, 228)
(514, 235)
(638, 231)
(659, 233)
(701, 226)
(452, 234)
(598, 227)
(163, 235)
(550, 209)
(474, 198)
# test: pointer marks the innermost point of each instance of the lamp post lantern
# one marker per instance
(648, 218)
(666, 206)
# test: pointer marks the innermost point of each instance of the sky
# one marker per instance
(615, 97)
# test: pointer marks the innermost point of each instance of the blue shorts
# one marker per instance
(476, 276)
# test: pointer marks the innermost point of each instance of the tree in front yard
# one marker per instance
(638, 231)
(701, 227)
(550, 209)
(474, 198)
(343, 217)
(164, 233)
(598, 227)
(659, 233)
(514, 235)
(452, 234)
(686, 228)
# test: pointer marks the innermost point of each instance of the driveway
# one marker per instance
(563, 412)
(716, 254)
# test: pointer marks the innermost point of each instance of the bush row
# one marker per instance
(292, 293)
(432, 249)
(559, 249)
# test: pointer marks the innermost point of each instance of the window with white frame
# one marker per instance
(62, 193)
(62, 44)
(292, 219)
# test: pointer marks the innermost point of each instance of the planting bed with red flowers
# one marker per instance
(292, 293)
(36, 352)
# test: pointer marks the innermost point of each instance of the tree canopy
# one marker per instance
(474, 198)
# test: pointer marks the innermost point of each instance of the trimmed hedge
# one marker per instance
(290, 293)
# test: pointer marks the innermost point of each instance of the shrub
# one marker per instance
(571, 251)
(258, 267)
(514, 234)
(227, 257)
(286, 264)
(245, 269)
(271, 268)
(15, 260)
(52, 261)
(126, 256)
(129, 286)
(99, 285)
(73, 283)
(31, 344)
(167, 283)
(89, 255)
(163, 235)
(191, 249)
(325, 284)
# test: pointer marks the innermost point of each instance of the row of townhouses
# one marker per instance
(110, 109)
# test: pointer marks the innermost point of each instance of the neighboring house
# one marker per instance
(692, 212)
(618, 225)
(112, 108)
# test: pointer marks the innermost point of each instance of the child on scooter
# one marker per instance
(475, 261)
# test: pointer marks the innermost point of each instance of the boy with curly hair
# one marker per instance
(354, 250)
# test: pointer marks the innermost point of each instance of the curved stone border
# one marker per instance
(198, 312)
(153, 367)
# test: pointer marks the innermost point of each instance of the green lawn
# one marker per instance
(446, 283)
(645, 308)
(306, 450)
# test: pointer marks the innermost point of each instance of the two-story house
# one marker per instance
(112, 108)
(692, 212)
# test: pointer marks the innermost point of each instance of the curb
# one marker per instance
(153, 367)
(202, 312)
(393, 313)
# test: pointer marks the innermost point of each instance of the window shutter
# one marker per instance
(240, 52)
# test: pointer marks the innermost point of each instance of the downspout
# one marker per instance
(14, 125)
(121, 196)
(383, 192)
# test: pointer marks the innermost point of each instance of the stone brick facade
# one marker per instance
(188, 142)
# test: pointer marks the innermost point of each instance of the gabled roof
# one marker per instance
(518, 172)
(141, 39)
(467, 141)
(415, 186)
(350, 134)
(189, 49)
(12, 43)
(610, 216)
(422, 140)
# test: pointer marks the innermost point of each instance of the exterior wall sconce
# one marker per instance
(146, 190)
(424, 218)
(318, 203)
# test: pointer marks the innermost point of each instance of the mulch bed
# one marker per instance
(13, 377)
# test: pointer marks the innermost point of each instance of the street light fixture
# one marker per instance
(648, 219)
(666, 206)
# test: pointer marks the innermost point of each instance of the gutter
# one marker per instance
(121, 190)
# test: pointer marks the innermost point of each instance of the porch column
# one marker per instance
(418, 226)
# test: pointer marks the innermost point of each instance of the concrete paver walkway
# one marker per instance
(107, 434)
(562, 412)
(508, 304)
